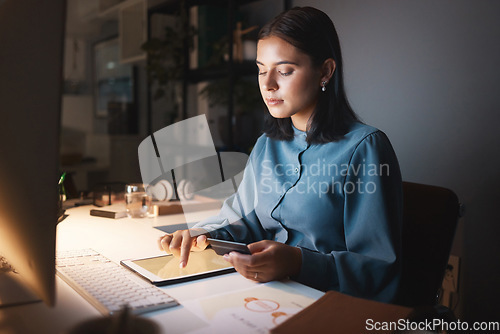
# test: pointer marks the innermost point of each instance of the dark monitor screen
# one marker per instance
(31, 53)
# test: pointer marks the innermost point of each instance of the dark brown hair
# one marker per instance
(312, 31)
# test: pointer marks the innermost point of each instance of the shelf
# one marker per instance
(215, 20)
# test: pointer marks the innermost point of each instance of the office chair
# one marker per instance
(430, 216)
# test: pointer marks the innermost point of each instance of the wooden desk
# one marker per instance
(119, 239)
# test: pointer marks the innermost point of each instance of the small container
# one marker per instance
(137, 202)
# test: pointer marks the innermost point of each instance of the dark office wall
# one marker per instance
(427, 73)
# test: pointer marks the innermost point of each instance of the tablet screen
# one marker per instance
(167, 267)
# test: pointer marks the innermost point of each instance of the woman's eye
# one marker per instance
(262, 73)
(285, 73)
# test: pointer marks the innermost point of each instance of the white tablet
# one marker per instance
(164, 269)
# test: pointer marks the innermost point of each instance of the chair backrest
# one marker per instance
(430, 216)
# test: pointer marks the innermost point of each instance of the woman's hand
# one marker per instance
(270, 260)
(181, 242)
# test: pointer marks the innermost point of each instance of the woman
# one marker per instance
(320, 201)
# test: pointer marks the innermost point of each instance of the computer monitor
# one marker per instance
(31, 54)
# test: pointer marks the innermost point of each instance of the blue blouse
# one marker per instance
(340, 203)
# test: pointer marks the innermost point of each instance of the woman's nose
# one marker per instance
(269, 83)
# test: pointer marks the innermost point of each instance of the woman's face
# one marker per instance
(289, 83)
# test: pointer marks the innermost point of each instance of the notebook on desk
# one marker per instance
(114, 211)
(344, 314)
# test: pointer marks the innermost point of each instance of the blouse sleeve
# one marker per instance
(369, 267)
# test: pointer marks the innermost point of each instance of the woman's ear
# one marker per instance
(328, 69)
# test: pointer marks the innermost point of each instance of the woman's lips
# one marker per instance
(273, 101)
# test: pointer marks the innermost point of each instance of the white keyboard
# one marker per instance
(107, 285)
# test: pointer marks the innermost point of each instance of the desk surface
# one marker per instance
(120, 239)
